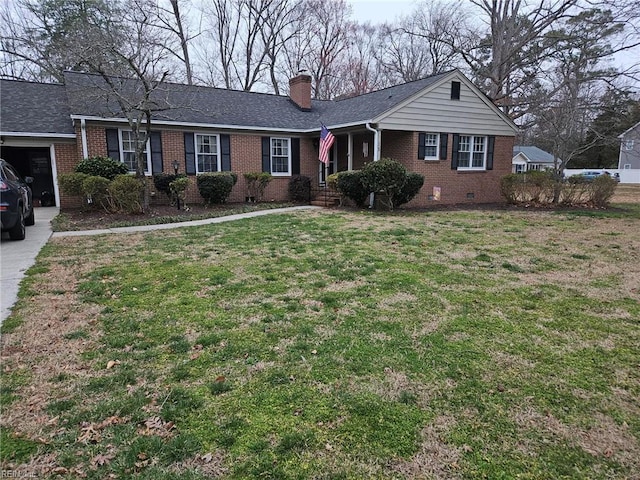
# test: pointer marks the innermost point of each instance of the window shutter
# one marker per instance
(113, 144)
(490, 147)
(156, 152)
(444, 143)
(295, 156)
(421, 139)
(225, 152)
(454, 152)
(189, 153)
(266, 154)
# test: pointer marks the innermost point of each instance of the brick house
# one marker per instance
(442, 127)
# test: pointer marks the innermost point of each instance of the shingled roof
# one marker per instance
(36, 108)
(199, 105)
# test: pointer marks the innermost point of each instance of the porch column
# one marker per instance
(350, 152)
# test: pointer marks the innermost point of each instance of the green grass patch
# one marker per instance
(349, 345)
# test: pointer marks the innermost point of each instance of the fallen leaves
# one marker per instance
(156, 426)
(91, 432)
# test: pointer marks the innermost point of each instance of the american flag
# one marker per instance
(326, 140)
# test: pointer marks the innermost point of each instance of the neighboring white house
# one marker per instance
(629, 159)
(526, 158)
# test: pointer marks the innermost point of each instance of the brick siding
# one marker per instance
(246, 156)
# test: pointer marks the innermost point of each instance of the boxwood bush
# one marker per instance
(350, 184)
(162, 182)
(102, 167)
(412, 185)
(71, 183)
(300, 188)
(216, 187)
(125, 193)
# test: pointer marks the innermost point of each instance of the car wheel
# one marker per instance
(18, 232)
(31, 219)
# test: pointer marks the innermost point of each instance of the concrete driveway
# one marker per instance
(17, 256)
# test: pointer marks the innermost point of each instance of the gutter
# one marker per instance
(83, 130)
(376, 154)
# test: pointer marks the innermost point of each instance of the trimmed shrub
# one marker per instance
(575, 190)
(162, 182)
(332, 181)
(179, 188)
(386, 177)
(102, 167)
(413, 184)
(300, 188)
(95, 189)
(350, 184)
(256, 184)
(534, 186)
(216, 187)
(125, 192)
(71, 183)
(601, 190)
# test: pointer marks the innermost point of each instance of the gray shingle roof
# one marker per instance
(534, 154)
(214, 106)
(46, 108)
(34, 108)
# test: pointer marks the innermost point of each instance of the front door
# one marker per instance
(329, 168)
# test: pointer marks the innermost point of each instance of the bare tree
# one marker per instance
(421, 44)
(172, 18)
(129, 60)
(324, 39)
(575, 83)
(34, 40)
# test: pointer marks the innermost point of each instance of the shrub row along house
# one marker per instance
(442, 127)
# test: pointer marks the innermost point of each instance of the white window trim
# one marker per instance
(219, 155)
(628, 144)
(148, 171)
(627, 166)
(471, 143)
(437, 155)
(280, 174)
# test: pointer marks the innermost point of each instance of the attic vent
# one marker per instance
(455, 90)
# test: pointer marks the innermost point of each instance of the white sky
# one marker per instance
(379, 11)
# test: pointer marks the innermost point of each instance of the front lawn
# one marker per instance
(449, 344)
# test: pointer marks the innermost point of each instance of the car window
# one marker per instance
(10, 174)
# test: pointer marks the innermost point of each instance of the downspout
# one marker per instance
(376, 154)
(83, 135)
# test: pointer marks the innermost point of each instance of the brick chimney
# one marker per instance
(300, 91)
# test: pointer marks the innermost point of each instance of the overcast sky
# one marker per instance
(378, 11)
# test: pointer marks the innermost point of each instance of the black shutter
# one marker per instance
(156, 152)
(295, 156)
(444, 143)
(490, 148)
(454, 153)
(113, 144)
(422, 138)
(266, 154)
(189, 153)
(225, 150)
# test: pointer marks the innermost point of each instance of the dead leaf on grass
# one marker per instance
(156, 426)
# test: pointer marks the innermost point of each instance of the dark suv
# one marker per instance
(16, 209)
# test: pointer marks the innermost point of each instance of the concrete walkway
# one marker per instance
(17, 257)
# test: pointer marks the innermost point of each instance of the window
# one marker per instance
(128, 151)
(207, 157)
(627, 166)
(455, 90)
(472, 153)
(280, 157)
(628, 144)
(431, 144)
(519, 168)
